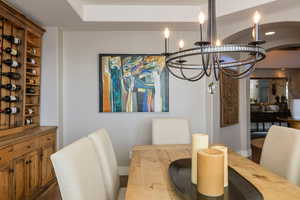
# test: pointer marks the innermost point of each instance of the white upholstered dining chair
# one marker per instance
(108, 162)
(170, 131)
(281, 153)
(78, 172)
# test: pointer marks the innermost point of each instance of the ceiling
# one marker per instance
(144, 2)
(282, 30)
(281, 59)
(132, 15)
(278, 57)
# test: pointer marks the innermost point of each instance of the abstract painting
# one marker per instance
(133, 83)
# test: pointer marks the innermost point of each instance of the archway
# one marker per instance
(287, 35)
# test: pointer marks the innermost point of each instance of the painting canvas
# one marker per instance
(133, 83)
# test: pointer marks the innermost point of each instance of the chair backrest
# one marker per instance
(108, 161)
(78, 172)
(170, 131)
(281, 153)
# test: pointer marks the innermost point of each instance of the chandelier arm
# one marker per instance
(175, 65)
(233, 75)
(175, 75)
(246, 74)
(220, 49)
(241, 63)
(194, 78)
(205, 64)
(216, 67)
(197, 79)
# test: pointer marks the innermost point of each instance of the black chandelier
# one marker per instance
(205, 58)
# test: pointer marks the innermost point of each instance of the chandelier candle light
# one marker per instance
(208, 53)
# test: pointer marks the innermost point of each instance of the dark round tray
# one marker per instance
(239, 188)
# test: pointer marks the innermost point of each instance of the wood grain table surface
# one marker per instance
(149, 179)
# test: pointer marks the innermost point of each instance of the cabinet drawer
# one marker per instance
(6, 154)
(48, 139)
(25, 147)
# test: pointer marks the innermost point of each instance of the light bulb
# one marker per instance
(253, 33)
(181, 44)
(218, 43)
(167, 33)
(256, 17)
(201, 18)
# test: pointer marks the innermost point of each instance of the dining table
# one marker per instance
(149, 178)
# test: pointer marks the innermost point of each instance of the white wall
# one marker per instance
(78, 94)
(50, 88)
(49, 81)
(81, 95)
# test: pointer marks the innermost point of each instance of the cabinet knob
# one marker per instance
(27, 162)
(28, 146)
(0, 158)
(11, 170)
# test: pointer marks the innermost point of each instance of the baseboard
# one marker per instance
(123, 170)
(245, 153)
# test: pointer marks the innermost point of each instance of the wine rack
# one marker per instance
(11, 120)
(33, 72)
(19, 35)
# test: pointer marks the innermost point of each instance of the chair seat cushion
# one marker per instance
(122, 193)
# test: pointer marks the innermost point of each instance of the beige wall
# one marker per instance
(81, 94)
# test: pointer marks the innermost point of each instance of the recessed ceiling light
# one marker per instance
(270, 33)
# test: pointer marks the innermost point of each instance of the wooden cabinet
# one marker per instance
(25, 166)
(5, 181)
(32, 173)
(47, 169)
(25, 147)
(19, 178)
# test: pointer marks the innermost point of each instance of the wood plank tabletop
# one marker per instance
(149, 179)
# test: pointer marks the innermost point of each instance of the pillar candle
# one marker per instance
(199, 141)
(210, 173)
(224, 149)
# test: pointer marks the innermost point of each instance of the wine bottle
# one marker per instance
(12, 39)
(30, 81)
(28, 121)
(29, 111)
(33, 51)
(31, 61)
(11, 51)
(11, 110)
(10, 99)
(30, 90)
(11, 87)
(31, 71)
(12, 63)
(11, 75)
